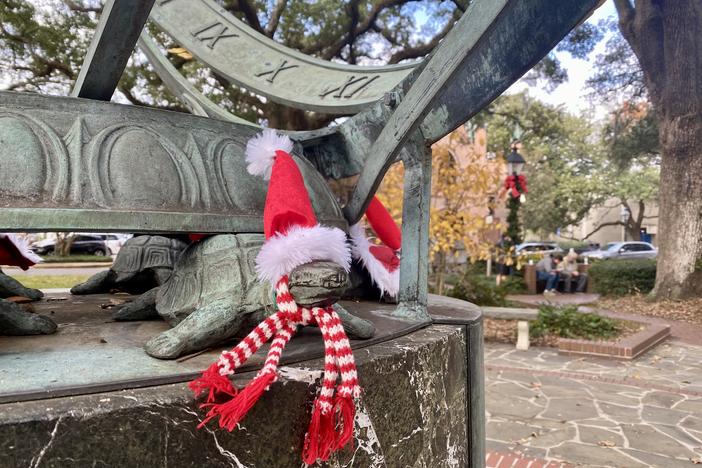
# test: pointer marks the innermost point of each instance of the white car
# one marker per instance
(114, 241)
(623, 250)
(540, 248)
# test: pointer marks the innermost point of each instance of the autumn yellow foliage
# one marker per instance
(463, 182)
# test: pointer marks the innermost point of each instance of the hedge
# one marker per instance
(621, 277)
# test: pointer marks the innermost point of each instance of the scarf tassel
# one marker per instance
(214, 383)
(231, 412)
(347, 414)
(321, 437)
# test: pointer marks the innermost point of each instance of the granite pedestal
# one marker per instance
(89, 396)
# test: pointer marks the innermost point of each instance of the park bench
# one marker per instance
(535, 287)
(523, 317)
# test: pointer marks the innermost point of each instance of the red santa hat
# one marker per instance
(381, 261)
(15, 251)
(293, 236)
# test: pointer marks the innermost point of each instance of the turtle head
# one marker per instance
(318, 284)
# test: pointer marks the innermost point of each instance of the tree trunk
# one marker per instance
(64, 241)
(680, 220)
(633, 231)
(665, 36)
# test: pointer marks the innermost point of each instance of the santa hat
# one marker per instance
(381, 261)
(293, 238)
(15, 251)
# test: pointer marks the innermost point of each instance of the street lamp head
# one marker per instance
(515, 162)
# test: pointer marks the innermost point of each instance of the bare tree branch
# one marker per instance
(274, 19)
(423, 49)
(364, 26)
(249, 12)
(610, 223)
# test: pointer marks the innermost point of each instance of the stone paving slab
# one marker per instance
(595, 412)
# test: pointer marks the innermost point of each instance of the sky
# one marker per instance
(572, 93)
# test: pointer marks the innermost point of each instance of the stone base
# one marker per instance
(416, 410)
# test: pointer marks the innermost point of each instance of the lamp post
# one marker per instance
(516, 187)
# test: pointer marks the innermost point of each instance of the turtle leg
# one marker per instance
(11, 287)
(100, 282)
(14, 320)
(209, 325)
(355, 327)
(161, 275)
(141, 308)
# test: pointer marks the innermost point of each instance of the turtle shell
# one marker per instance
(143, 252)
(219, 268)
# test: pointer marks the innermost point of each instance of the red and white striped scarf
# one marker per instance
(331, 426)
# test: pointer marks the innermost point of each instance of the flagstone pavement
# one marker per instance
(546, 409)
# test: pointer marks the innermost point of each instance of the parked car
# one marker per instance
(540, 248)
(113, 241)
(624, 250)
(82, 244)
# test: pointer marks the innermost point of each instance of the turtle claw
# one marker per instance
(142, 308)
(167, 345)
(355, 327)
(14, 320)
(11, 287)
(98, 283)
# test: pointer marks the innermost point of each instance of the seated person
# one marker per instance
(546, 270)
(568, 270)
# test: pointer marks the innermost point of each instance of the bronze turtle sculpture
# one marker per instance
(14, 319)
(142, 263)
(214, 292)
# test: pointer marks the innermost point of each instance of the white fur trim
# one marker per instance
(23, 247)
(387, 281)
(281, 254)
(260, 152)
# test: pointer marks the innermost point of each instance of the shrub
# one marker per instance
(514, 284)
(480, 290)
(567, 322)
(621, 277)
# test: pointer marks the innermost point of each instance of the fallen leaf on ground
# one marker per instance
(18, 299)
(688, 310)
(56, 299)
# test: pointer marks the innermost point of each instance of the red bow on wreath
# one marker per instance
(516, 185)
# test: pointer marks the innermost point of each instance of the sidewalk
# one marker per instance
(545, 409)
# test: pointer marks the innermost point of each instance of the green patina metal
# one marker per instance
(258, 63)
(71, 164)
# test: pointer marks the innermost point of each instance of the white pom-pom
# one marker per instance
(260, 152)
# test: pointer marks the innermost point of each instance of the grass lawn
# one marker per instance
(77, 259)
(51, 281)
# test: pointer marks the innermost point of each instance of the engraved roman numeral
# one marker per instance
(273, 72)
(362, 82)
(212, 33)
